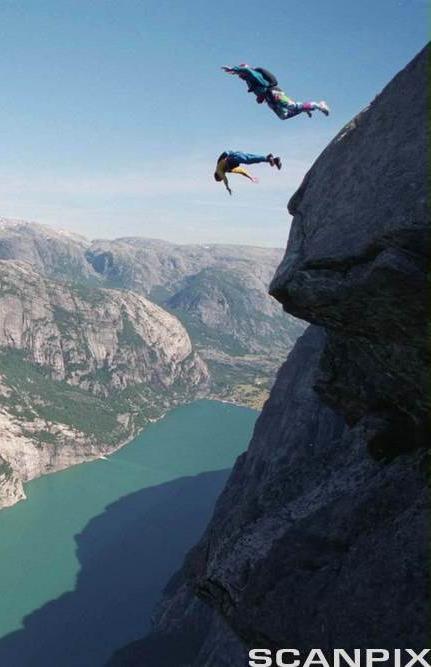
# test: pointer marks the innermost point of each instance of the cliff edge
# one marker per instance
(357, 257)
(320, 536)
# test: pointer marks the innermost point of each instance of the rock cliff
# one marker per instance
(357, 257)
(320, 536)
(11, 488)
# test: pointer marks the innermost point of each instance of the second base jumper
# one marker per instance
(229, 163)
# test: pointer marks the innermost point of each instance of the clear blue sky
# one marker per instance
(112, 112)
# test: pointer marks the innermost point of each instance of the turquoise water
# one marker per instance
(38, 560)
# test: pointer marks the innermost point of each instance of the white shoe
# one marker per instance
(323, 107)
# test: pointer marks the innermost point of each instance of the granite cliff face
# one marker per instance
(357, 257)
(320, 536)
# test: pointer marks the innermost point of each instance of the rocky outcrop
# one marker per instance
(11, 489)
(320, 536)
(313, 542)
(357, 257)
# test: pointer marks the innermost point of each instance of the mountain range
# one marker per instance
(99, 338)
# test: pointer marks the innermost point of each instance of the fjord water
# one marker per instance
(98, 541)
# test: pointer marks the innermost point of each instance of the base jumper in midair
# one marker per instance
(229, 163)
(265, 86)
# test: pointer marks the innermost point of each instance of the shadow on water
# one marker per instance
(126, 555)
